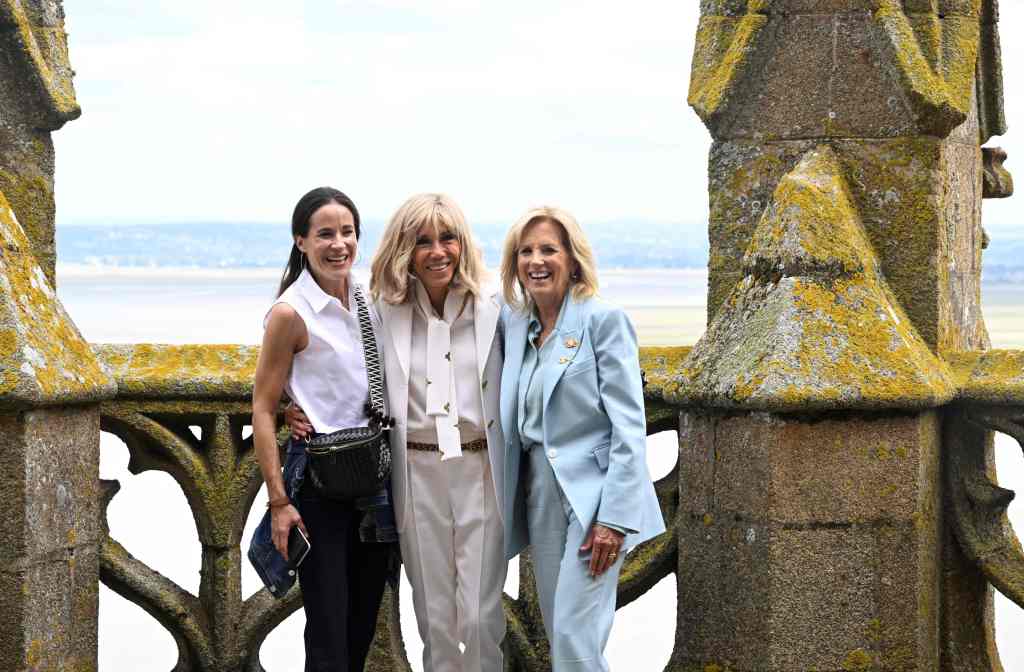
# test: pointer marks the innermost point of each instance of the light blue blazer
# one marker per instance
(595, 430)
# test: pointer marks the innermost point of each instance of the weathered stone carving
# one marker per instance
(36, 97)
(847, 176)
(812, 325)
(998, 181)
(978, 504)
(50, 384)
(865, 65)
(991, 115)
(45, 360)
(218, 473)
(219, 631)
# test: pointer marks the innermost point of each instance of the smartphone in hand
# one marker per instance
(298, 547)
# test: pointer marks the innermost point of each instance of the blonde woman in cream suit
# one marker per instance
(443, 361)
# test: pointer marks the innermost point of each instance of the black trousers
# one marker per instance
(342, 582)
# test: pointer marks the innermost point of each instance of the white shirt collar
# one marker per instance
(316, 296)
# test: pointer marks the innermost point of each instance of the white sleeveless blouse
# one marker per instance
(328, 377)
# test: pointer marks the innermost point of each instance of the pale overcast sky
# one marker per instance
(230, 110)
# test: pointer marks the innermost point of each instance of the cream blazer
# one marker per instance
(395, 323)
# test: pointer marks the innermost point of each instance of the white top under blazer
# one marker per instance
(327, 377)
(458, 315)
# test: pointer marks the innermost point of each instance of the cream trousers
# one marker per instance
(452, 550)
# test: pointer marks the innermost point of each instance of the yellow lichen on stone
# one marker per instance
(660, 365)
(181, 371)
(32, 198)
(8, 382)
(34, 654)
(792, 231)
(856, 334)
(928, 32)
(813, 323)
(857, 660)
(721, 51)
(960, 43)
(990, 376)
(896, 187)
(45, 356)
(8, 343)
(11, 232)
(53, 79)
(943, 85)
(898, 198)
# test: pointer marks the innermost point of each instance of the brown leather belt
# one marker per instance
(470, 447)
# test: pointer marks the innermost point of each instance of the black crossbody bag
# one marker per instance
(355, 462)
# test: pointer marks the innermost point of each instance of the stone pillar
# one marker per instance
(50, 382)
(894, 95)
(50, 386)
(811, 519)
(810, 545)
(845, 251)
(36, 97)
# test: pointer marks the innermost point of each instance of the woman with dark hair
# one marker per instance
(442, 359)
(312, 349)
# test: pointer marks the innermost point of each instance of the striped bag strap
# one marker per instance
(373, 372)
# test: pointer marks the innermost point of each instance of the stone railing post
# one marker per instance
(50, 382)
(846, 179)
(50, 386)
(36, 97)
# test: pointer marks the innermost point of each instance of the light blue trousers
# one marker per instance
(578, 609)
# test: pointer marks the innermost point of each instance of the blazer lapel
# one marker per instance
(515, 346)
(485, 319)
(568, 337)
(400, 327)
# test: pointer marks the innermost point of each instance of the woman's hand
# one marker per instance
(604, 545)
(282, 520)
(297, 421)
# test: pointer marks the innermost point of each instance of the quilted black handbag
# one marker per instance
(355, 462)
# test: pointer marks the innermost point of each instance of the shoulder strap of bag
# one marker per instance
(373, 374)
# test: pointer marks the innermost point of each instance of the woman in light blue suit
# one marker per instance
(577, 489)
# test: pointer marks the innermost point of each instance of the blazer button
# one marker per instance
(552, 453)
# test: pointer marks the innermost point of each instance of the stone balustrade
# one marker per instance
(163, 390)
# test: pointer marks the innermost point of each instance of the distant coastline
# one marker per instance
(627, 244)
(196, 248)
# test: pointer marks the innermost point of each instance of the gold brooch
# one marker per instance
(571, 343)
(563, 360)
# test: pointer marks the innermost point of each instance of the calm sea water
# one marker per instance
(175, 306)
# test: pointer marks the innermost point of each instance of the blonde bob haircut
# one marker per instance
(392, 263)
(584, 279)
